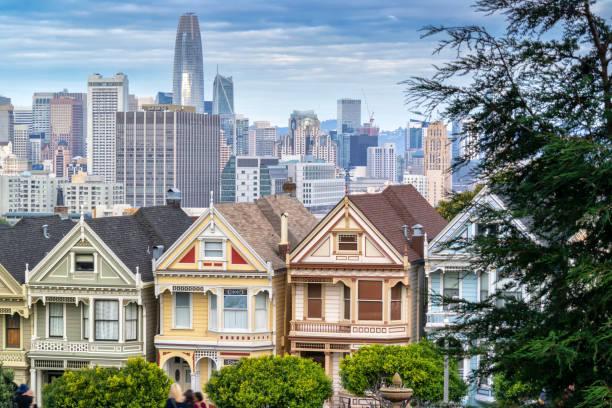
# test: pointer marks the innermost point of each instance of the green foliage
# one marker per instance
(4, 221)
(271, 382)
(6, 387)
(539, 98)
(420, 365)
(137, 384)
(510, 393)
(456, 203)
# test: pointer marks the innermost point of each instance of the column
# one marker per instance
(328, 365)
(195, 380)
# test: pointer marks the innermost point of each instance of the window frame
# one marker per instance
(175, 326)
(63, 317)
(131, 320)
(7, 328)
(118, 320)
(213, 241)
(76, 263)
(400, 288)
(263, 294)
(309, 299)
(346, 302)
(236, 309)
(85, 320)
(213, 312)
(447, 307)
(347, 234)
(359, 301)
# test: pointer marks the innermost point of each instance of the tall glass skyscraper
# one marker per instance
(223, 95)
(188, 84)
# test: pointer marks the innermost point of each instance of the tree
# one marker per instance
(456, 203)
(7, 387)
(420, 365)
(137, 384)
(538, 98)
(510, 394)
(271, 382)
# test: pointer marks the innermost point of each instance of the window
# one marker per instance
(370, 300)
(507, 296)
(314, 300)
(261, 300)
(106, 320)
(451, 288)
(212, 312)
(131, 322)
(213, 249)
(230, 361)
(484, 286)
(84, 262)
(85, 309)
(182, 310)
(56, 319)
(347, 242)
(347, 303)
(396, 302)
(235, 315)
(13, 336)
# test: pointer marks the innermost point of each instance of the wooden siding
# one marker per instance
(149, 325)
(279, 286)
(332, 302)
(73, 322)
(199, 324)
(41, 325)
(299, 301)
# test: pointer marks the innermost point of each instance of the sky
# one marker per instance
(282, 55)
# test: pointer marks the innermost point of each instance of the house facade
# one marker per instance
(221, 287)
(450, 273)
(356, 279)
(92, 295)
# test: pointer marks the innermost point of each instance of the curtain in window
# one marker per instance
(56, 320)
(182, 311)
(451, 287)
(107, 320)
(131, 321)
(369, 295)
(235, 312)
(85, 309)
(261, 300)
(212, 313)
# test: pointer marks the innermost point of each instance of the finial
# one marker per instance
(211, 199)
(397, 380)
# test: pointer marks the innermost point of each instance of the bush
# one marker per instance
(7, 387)
(138, 384)
(421, 366)
(271, 382)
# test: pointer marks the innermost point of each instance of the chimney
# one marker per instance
(418, 240)
(283, 245)
(289, 187)
(173, 197)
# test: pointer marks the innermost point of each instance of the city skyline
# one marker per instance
(298, 60)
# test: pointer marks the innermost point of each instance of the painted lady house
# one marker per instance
(356, 279)
(92, 295)
(221, 287)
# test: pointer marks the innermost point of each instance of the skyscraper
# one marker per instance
(23, 116)
(105, 97)
(349, 115)
(163, 98)
(223, 95)
(188, 83)
(382, 162)
(437, 162)
(242, 136)
(304, 127)
(6, 120)
(21, 140)
(265, 137)
(41, 105)
(66, 119)
(162, 149)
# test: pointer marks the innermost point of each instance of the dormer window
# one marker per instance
(84, 262)
(213, 249)
(347, 242)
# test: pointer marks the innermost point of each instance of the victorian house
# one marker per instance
(222, 287)
(91, 296)
(450, 273)
(357, 278)
(22, 247)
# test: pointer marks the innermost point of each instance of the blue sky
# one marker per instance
(283, 55)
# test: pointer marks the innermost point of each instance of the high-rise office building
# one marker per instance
(208, 107)
(66, 123)
(223, 95)
(7, 120)
(61, 158)
(36, 143)
(382, 162)
(105, 97)
(245, 179)
(41, 108)
(159, 150)
(132, 103)
(437, 162)
(265, 137)
(21, 140)
(304, 127)
(242, 136)
(463, 147)
(227, 123)
(163, 98)
(188, 82)
(349, 115)
(22, 115)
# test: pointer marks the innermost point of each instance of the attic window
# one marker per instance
(84, 262)
(213, 249)
(347, 242)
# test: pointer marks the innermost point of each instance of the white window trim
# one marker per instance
(174, 326)
(203, 256)
(47, 322)
(249, 328)
(125, 339)
(209, 296)
(267, 315)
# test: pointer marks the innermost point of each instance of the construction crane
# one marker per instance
(370, 114)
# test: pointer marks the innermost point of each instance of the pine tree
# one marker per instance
(539, 100)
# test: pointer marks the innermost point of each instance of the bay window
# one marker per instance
(347, 303)
(212, 312)
(235, 311)
(314, 300)
(106, 320)
(131, 322)
(396, 302)
(56, 319)
(370, 303)
(182, 310)
(451, 288)
(85, 312)
(484, 286)
(261, 301)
